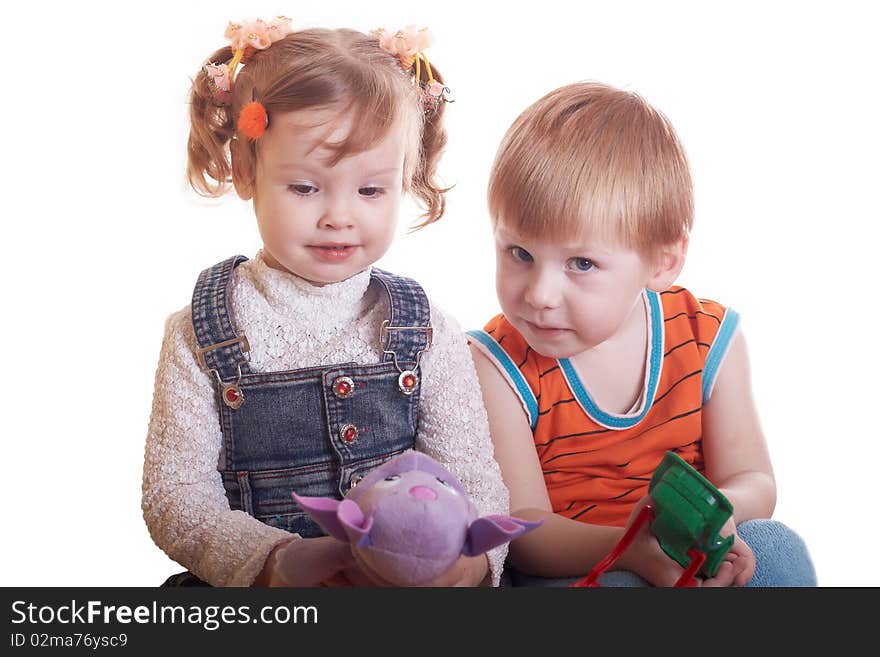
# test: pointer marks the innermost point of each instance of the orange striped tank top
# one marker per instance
(597, 465)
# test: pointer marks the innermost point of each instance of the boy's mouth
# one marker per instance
(544, 329)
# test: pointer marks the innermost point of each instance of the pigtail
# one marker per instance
(425, 185)
(209, 167)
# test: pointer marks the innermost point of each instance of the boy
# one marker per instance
(597, 365)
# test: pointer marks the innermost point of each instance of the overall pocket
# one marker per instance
(266, 495)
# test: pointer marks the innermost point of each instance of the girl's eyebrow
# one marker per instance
(379, 172)
(298, 167)
(304, 168)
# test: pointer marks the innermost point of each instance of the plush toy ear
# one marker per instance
(342, 520)
(491, 531)
(323, 511)
(356, 526)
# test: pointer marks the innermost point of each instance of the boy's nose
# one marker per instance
(542, 292)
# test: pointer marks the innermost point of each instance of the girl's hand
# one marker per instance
(308, 562)
(466, 571)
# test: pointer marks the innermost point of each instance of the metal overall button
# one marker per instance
(348, 433)
(407, 382)
(343, 386)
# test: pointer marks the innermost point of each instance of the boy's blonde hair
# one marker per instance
(591, 161)
(315, 69)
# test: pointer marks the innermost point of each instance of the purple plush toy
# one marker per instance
(410, 519)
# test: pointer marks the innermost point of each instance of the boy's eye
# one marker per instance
(520, 254)
(580, 264)
(302, 189)
(371, 192)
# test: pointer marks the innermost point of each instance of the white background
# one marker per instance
(776, 104)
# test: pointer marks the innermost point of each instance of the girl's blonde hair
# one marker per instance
(314, 69)
(591, 161)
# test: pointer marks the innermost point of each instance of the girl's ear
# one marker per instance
(242, 169)
(668, 265)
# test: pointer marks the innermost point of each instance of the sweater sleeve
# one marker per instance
(454, 426)
(184, 503)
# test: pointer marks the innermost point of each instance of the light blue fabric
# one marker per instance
(530, 403)
(781, 558)
(591, 407)
(717, 351)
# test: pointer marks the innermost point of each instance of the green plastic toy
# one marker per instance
(687, 515)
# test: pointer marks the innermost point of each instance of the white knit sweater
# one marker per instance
(291, 324)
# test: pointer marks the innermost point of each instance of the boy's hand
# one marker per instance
(646, 558)
(740, 557)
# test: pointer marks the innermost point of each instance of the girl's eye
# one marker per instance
(581, 264)
(371, 192)
(520, 254)
(303, 189)
(392, 477)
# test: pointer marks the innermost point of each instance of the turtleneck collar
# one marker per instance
(302, 302)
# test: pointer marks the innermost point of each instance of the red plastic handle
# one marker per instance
(645, 515)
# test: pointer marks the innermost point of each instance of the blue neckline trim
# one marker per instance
(656, 360)
(530, 403)
(717, 351)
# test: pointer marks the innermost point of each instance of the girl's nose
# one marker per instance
(336, 215)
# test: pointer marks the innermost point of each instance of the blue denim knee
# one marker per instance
(781, 555)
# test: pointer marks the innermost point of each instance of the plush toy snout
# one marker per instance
(423, 492)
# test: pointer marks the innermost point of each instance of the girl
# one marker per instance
(304, 368)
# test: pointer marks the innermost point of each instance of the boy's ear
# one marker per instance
(668, 265)
(242, 169)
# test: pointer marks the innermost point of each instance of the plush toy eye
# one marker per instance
(445, 483)
(390, 480)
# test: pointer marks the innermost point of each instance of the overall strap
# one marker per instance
(220, 348)
(407, 331)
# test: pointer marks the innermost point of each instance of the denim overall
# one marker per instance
(314, 431)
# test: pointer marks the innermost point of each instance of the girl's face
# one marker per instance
(325, 223)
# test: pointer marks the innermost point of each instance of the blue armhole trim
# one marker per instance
(519, 381)
(717, 351)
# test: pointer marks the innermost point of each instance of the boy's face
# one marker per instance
(567, 298)
(325, 222)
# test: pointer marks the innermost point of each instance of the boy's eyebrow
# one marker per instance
(571, 248)
(590, 249)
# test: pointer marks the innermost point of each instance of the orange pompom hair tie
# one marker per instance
(253, 120)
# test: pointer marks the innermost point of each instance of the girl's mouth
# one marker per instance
(332, 252)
